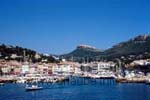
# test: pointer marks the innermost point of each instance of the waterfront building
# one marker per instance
(25, 69)
(56, 69)
(50, 68)
(17, 70)
(33, 69)
(77, 70)
(62, 69)
(10, 67)
(42, 68)
(140, 62)
(96, 67)
(65, 68)
(105, 66)
(5, 69)
(86, 68)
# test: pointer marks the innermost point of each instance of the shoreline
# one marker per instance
(55, 79)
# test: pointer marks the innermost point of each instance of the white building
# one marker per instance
(25, 69)
(105, 66)
(62, 69)
(33, 69)
(141, 62)
(77, 70)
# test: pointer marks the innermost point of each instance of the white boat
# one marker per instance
(148, 82)
(1, 84)
(21, 80)
(33, 88)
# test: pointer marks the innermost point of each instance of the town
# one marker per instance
(23, 72)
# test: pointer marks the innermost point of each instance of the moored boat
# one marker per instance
(148, 82)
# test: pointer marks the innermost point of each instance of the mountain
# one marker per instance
(135, 48)
(9, 52)
(82, 51)
(138, 47)
(128, 51)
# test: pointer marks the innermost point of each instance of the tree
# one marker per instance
(1, 72)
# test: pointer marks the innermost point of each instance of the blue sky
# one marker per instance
(58, 26)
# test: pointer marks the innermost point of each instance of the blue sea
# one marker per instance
(78, 89)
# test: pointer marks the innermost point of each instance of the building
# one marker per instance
(61, 69)
(105, 66)
(25, 69)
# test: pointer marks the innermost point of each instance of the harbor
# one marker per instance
(16, 72)
(74, 50)
(62, 78)
(80, 89)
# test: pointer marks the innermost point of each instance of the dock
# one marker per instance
(131, 80)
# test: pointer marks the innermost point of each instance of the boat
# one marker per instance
(21, 81)
(33, 88)
(1, 84)
(148, 82)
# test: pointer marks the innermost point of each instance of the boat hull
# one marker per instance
(33, 89)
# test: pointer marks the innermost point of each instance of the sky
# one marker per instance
(58, 26)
